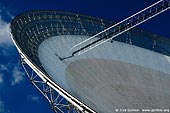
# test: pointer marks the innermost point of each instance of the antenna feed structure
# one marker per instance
(120, 27)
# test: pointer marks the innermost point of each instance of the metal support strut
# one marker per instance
(57, 102)
(120, 27)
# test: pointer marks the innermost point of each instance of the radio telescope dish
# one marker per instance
(133, 71)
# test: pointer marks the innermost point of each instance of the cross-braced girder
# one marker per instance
(56, 101)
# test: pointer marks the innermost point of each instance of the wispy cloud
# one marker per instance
(17, 76)
(7, 68)
(3, 67)
(34, 98)
(2, 107)
(4, 32)
(5, 26)
(17, 73)
(6, 13)
(6, 43)
(5, 40)
(1, 78)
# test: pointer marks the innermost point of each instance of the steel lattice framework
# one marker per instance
(57, 102)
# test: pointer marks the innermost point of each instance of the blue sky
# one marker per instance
(17, 95)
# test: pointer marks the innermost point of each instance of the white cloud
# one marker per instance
(4, 32)
(5, 42)
(17, 75)
(5, 29)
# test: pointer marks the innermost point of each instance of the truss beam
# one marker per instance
(56, 101)
(120, 27)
